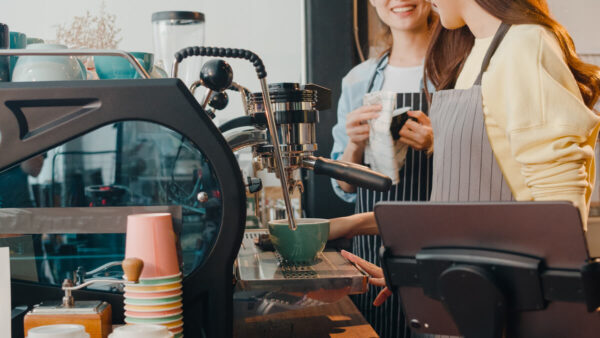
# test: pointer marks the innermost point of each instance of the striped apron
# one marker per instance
(415, 185)
(465, 167)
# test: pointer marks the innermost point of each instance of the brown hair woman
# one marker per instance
(408, 25)
(512, 117)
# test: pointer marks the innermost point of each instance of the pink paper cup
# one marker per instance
(150, 237)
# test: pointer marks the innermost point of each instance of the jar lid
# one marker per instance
(178, 15)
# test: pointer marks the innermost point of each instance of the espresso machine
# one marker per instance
(208, 200)
(279, 124)
(264, 280)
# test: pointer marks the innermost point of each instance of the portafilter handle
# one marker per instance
(352, 173)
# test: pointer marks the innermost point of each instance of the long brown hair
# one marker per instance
(449, 49)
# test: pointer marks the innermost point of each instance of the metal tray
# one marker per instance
(264, 270)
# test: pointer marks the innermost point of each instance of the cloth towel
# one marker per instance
(384, 154)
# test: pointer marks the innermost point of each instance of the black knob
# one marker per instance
(254, 184)
(218, 100)
(217, 75)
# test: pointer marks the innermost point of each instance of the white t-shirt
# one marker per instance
(402, 79)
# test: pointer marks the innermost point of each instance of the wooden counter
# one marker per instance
(340, 319)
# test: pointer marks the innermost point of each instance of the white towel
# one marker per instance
(383, 153)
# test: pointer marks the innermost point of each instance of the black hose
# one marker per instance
(224, 52)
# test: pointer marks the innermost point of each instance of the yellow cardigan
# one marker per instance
(540, 130)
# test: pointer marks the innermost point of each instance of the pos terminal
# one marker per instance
(516, 269)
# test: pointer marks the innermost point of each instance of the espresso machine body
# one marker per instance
(38, 116)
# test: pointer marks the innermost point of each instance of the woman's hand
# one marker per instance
(376, 276)
(356, 124)
(417, 134)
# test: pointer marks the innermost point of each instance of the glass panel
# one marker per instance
(125, 164)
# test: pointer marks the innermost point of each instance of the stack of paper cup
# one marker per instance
(157, 298)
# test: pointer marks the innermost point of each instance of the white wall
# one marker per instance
(271, 28)
(580, 17)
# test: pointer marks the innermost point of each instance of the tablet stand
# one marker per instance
(480, 287)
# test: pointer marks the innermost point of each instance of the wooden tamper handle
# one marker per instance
(132, 267)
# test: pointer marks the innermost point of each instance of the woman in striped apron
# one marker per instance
(399, 70)
(500, 132)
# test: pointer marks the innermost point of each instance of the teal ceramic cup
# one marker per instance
(117, 67)
(303, 245)
(17, 41)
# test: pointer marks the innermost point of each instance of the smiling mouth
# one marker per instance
(405, 9)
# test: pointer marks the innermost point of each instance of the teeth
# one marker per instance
(403, 9)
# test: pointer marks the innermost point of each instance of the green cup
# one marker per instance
(303, 245)
(17, 41)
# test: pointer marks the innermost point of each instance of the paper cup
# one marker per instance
(150, 237)
(160, 277)
(153, 302)
(174, 325)
(160, 282)
(177, 330)
(153, 288)
(156, 314)
(58, 331)
(165, 320)
(141, 330)
(154, 295)
(154, 308)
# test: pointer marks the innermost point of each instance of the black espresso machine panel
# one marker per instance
(106, 149)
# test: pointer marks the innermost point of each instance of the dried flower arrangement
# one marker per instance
(90, 31)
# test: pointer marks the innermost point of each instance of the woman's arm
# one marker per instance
(340, 141)
(551, 133)
(350, 226)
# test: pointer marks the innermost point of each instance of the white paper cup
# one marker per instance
(58, 331)
(141, 330)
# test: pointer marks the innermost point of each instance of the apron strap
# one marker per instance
(500, 34)
(371, 83)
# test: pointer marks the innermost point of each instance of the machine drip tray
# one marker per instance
(331, 277)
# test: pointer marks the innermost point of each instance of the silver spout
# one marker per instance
(277, 152)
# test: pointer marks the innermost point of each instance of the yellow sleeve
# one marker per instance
(550, 131)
